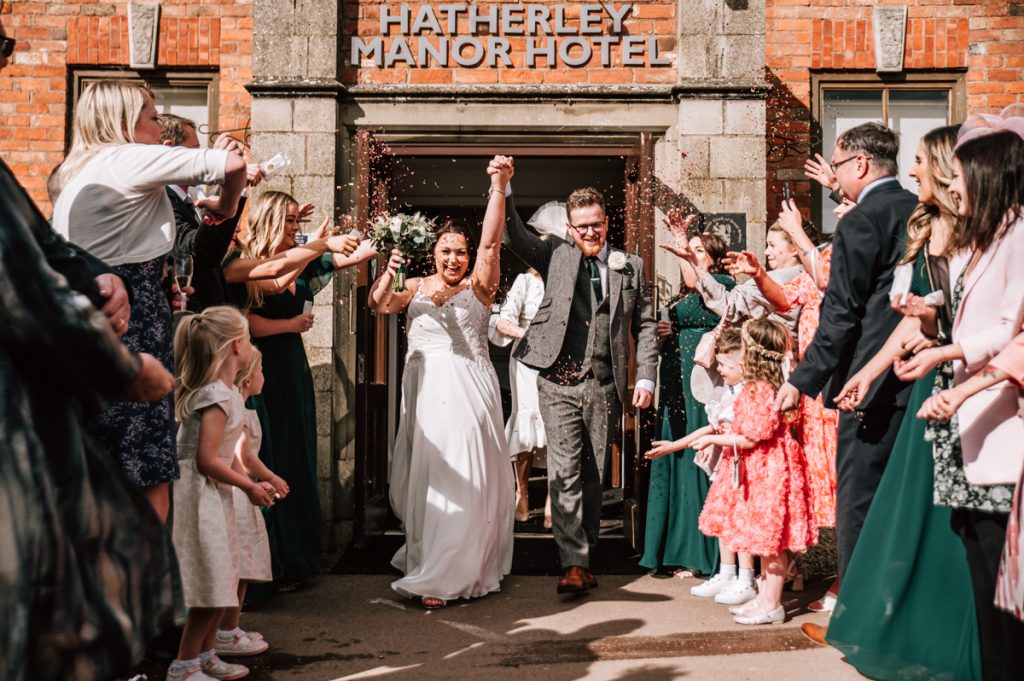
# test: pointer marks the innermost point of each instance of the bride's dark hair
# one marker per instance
(457, 226)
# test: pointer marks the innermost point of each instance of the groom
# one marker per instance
(595, 297)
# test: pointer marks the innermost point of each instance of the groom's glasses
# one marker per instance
(594, 227)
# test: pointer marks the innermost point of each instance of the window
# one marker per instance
(192, 95)
(911, 107)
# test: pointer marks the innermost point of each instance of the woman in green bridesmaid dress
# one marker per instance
(905, 605)
(678, 487)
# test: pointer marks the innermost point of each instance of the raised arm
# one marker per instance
(745, 262)
(523, 243)
(487, 270)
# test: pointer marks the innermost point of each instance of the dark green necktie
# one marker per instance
(595, 279)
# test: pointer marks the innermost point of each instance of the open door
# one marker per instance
(638, 427)
(372, 358)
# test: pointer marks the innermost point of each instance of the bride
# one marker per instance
(451, 483)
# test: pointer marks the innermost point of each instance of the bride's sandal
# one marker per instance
(431, 603)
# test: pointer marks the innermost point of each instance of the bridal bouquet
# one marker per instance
(412, 234)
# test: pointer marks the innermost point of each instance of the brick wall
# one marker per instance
(983, 37)
(54, 37)
(655, 18)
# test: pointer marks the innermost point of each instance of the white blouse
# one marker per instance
(116, 207)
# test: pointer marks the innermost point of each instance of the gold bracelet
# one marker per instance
(495, 190)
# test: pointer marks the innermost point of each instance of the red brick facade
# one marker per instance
(55, 37)
(984, 38)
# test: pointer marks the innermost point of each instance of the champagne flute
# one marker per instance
(183, 275)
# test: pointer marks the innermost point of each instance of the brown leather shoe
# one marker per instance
(575, 580)
(815, 632)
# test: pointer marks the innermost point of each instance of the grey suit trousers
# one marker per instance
(580, 421)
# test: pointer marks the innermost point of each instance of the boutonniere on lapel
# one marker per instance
(617, 260)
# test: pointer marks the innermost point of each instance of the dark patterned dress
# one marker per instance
(141, 435)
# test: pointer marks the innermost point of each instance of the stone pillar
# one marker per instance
(715, 157)
(295, 110)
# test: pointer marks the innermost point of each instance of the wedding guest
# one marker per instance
(524, 431)
(677, 486)
(889, 620)
(816, 430)
(254, 564)
(729, 585)
(206, 244)
(276, 321)
(209, 350)
(856, 319)
(69, 509)
(759, 501)
(978, 457)
(113, 203)
(1007, 366)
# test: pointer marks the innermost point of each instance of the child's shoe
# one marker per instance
(740, 591)
(193, 673)
(756, 615)
(713, 586)
(225, 671)
(240, 645)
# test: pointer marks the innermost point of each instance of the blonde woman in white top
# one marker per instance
(114, 204)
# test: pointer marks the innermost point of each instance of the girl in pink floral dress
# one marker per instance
(759, 501)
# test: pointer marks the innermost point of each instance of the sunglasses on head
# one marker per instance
(7, 46)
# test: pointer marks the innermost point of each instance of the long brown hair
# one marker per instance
(765, 344)
(993, 168)
(938, 149)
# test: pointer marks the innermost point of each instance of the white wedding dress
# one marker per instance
(451, 483)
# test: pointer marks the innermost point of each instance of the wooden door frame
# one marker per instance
(638, 148)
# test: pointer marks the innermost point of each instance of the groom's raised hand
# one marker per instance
(501, 169)
(642, 398)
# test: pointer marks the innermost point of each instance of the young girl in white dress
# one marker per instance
(253, 542)
(209, 349)
(451, 485)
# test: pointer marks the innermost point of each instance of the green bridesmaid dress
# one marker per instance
(295, 523)
(678, 487)
(905, 607)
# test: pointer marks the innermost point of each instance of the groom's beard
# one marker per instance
(590, 249)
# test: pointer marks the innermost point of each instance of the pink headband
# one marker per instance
(979, 125)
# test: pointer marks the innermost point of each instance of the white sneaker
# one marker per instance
(241, 645)
(191, 674)
(713, 586)
(758, 616)
(740, 591)
(225, 671)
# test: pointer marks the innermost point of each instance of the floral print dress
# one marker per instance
(951, 486)
(818, 426)
(759, 502)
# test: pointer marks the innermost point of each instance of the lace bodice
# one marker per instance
(458, 327)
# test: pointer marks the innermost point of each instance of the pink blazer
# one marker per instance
(991, 433)
(1011, 360)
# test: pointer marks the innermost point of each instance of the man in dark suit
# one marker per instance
(206, 244)
(856, 320)
(595, 298)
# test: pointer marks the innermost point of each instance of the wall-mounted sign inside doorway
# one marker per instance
(469, 35)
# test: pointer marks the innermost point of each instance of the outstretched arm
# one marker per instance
(381, 298)
(488, 258)
(745, 262)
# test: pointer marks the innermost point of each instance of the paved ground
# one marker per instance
(632, 628)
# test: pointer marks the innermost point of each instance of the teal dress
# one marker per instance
(677, 486)
(289, 423)
(905, 608)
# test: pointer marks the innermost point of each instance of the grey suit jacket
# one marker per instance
(629, 303)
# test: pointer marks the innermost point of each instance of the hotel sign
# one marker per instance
(546, 33)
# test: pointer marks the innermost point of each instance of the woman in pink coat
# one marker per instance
(979, 451)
